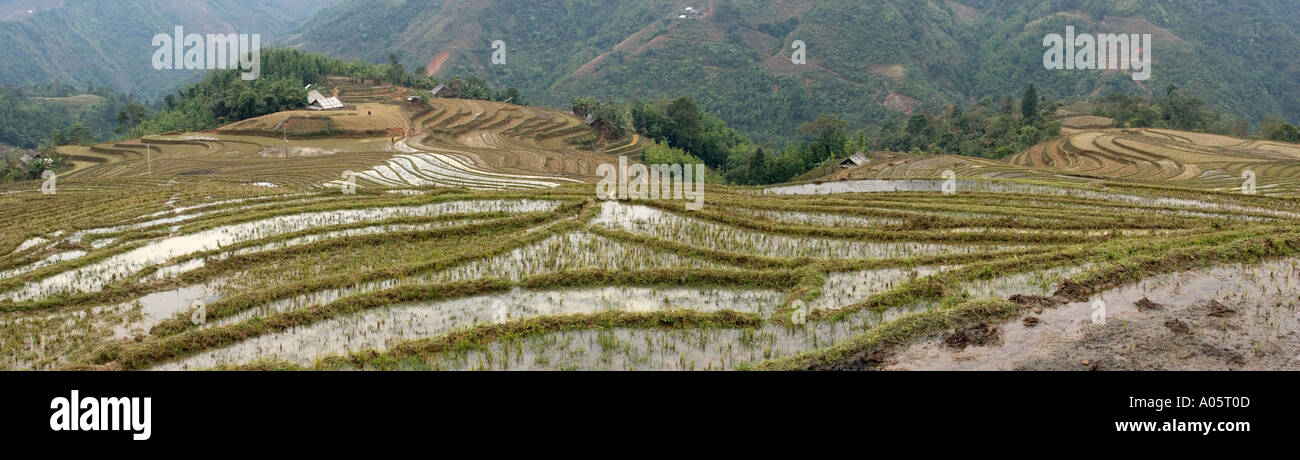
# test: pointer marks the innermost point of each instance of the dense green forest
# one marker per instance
(109, 43)
(862, 56)
(34, 114)
(682, 133)
(984, 129)
(685, 134)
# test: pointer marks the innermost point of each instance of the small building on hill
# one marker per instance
(855, 160)
(318, 101)
(604, 128)
(443, 91)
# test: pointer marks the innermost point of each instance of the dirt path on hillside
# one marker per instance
(436, 62)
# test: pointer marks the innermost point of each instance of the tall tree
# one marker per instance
(1029, 104)
(396, 72)
(79, 134)
(685, 118)
(758, 167)
(131, 116)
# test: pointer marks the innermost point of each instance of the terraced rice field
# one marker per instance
(1193, 160)
(109, 272)
(476, 242)
(387, 141)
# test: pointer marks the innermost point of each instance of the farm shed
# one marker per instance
(443, 91)
(855, 160)
(317, 101)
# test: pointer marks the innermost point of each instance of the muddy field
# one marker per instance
(1234, 317)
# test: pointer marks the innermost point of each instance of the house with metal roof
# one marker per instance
(443, 91)
(318, 101)
(855, 160)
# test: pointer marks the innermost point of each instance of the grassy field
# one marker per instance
(476, 242)
(71, 103)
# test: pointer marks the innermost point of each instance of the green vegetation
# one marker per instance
(223, 97)
(14, 168)
(681, 124)
(1279, 130)
(109, 43)
(474, 241)
(734, 63)
(1173, 109)
(982, 130)
(322, 276)
(31, 115)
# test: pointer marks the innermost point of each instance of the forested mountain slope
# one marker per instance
(108, 43)
(867, 62)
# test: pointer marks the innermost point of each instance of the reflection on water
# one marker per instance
(376, 329)
(696, 232)
(94, 276)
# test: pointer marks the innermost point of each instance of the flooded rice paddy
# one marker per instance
(569, 251)
(634, 349)
(130, 281)
(95, 276)
(379, 328)
(417, 168)
(660, 224)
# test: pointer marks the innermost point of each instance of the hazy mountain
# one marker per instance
(866, 61)
(109, 42)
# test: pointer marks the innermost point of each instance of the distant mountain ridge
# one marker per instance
(109, 42)
(866, 61)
